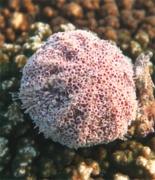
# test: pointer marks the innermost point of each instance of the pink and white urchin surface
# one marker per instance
(79, 90)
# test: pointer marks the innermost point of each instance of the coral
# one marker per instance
(142, 73)
(134, 48)
(63, 157)
(13, 121)
(109, 9)
(124, 37)
(28, 6)
(8, 68)
(25, 154)
(149, 30)
(126, 4)
(58, 3)
(10, 35)
(48, 12)
(136, 156)
(73, 10)
(75, 89)
(152, 144)
(110, 33)
(67, 27)
(119, 176)
(145, 118)
(20, 60)
(84, 171)
(7, 85)
(14, 5)
(2, 39)
(19, 21)
(112, 21)
(47, 168)
(122, 158)
(54, 160)
(2, 26)
(90, 4)
(4, 153)
(40, 32)
(14, 117)
(128, 20)
(147, 165)
(143, 38)
(92, 24)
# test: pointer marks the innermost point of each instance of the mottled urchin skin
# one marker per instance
(79, 89)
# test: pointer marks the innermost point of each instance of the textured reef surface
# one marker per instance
(25, 26)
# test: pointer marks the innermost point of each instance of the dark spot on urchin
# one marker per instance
(79, 112)
(58, 92)
(55, 70)
(70, 55)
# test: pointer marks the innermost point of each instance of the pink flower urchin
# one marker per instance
(79, 89)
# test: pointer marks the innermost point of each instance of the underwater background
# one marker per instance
(24, 26)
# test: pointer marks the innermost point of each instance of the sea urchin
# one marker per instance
(79, 89)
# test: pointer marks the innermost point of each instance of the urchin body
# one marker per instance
(79, 89)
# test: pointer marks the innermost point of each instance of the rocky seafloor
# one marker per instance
(24, 26)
